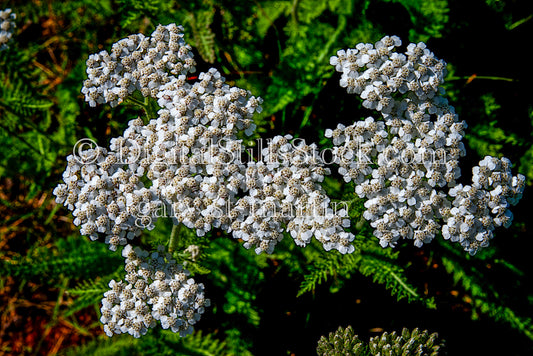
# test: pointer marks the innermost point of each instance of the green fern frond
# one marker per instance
(344, 7)
(18, 100)
(236, 273)
(26, 120)
(17, 96)
(270, 11)
(74, 257)
(204, 37)
(133, 11)
(198, 344)
(324, 268)
(429, 17)
(486, 300)
(489, 139)
(387, 272)
(372, 261)
(156, 342)
(90, 292)
(308, 10)
(119, 345)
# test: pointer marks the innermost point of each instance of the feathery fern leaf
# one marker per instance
(133, 11)
(198, 344)
(17, 96)
(486, 300)
(90, 292)
(74, 257)
(156, 342)
(204, 37)
(329, 265)
(385, 270)
(372, 261)
(120, 345)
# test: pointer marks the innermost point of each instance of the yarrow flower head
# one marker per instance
(404, 162)
(344, 341)
(157, 289)
(479, 208)
(188, 159)
(193, 157)
(408, 342)
(137, 63)
(7, 27)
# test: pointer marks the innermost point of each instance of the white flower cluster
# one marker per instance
(137, 63)
(190, 161)
(7, 26)
(403, 162)
(103, 197)
(156, 289)
(378, 74)
(284, 190)
(478, 208)
(197, 167)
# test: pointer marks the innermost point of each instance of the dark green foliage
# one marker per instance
(134, 12)
(89, 293)
(370, 260)
(237, 274)
(486, 299)
(204, 37)
(25, 120)
(160, 343)
(73, 257)
(429, 18)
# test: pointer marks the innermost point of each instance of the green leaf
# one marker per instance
(370, 261)
(204, 38)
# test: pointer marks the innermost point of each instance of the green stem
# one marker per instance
(151, 108)
(134, 101)
(148, 105)
(519, 22)
(333, 39)
(472, 77)
(294, 11)
(173, 241)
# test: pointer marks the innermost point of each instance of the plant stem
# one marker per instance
(342, 21)
(294, 11)
(472, 77)
(173, 241)
(519, 22)
(132, 100)
(147, 105)
(150, 108)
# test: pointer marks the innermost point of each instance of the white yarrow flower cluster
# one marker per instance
(191, 163)
(479, 208)
(7, 27)
(137, 63)
(156, 289)
(197, 166)
(403, 162)
(104, 198)
(284, 190)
